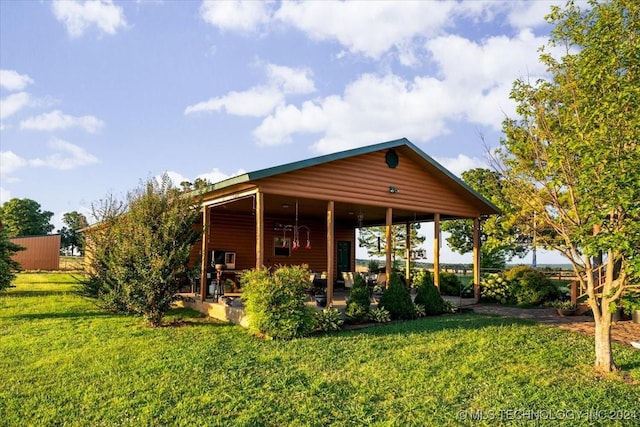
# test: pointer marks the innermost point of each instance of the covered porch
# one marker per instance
(308, 212)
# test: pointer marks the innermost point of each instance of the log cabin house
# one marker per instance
(307, 212)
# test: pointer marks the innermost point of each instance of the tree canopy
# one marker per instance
(71, 239)
(373, 239)
(25, 217)
(501, 238)
(8, 267)
(572, 155)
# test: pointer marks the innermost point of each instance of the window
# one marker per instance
(282, 246)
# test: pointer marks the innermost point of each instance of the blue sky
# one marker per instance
(98, 96)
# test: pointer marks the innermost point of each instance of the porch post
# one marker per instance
(259, 198)
(476, 259)
(330, 251)
(436, 250)
(389, 245)
(407, 264)
(204, 255)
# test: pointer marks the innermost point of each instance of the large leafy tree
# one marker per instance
(501, 238)
(374, 240)
(572, 156)
(71, 239)
(8, 267)
(139, 250)
(25, 217)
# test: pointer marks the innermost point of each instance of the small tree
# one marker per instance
(71, 239)
(359, 302)
(139, 256)
(397, 300)
(572, 157)
(8, 267)
(427, 294)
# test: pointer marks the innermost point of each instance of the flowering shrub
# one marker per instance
(494, 288)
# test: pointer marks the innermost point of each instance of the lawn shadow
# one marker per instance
(39, 293)
(60, 315)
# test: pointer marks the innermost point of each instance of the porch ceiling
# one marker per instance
(285, 206)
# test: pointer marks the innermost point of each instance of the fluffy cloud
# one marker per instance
(216, 175)
(260, 100)
(10, 162)
(12, 80)
(370, 29)
(56, 120)
(471, 86)
(69, 156)
(77, 17)
(462, 163)
(236, 15)
(13, 103)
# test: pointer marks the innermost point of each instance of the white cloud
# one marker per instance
(258, 101)
(528, 14)
(13, 103)
(461, 163)
(5, 195)
(372, 108)
(370, 28)
(12, 80)
(291, 80)
(10, 162)
(216, 175)
(78, 17)
(56, 120)
(69, 156)
(241, 16)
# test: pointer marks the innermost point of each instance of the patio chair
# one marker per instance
(347, 276)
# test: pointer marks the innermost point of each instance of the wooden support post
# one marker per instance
(407, 266)
(476, 258)
(436, 250)
(205, 254)
(259, 200)
(331, 270)
(389, 244)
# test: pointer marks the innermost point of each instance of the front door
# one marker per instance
(344, 258)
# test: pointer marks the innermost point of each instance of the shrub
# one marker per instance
(427, 294)
(276, 302)
(372, 266)
(450, 284)
(8, 266)
(530, 286)
(494, 288)
(379, 315)
(358, 302)
(329, 319)
(396, 299)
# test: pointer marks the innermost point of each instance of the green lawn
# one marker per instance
(64, 362)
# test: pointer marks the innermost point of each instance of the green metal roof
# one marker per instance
(290, 167)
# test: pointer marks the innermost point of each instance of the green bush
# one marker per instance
(419, 309)
(450, 284)
(494, 288)
(358, 302)
(8, 266)
(530, 286)
(329, 319)
(427, 294)
(276, 302)
(396, 299)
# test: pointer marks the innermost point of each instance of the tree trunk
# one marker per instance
(604, 356)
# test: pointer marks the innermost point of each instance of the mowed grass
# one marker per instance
(64, 362)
